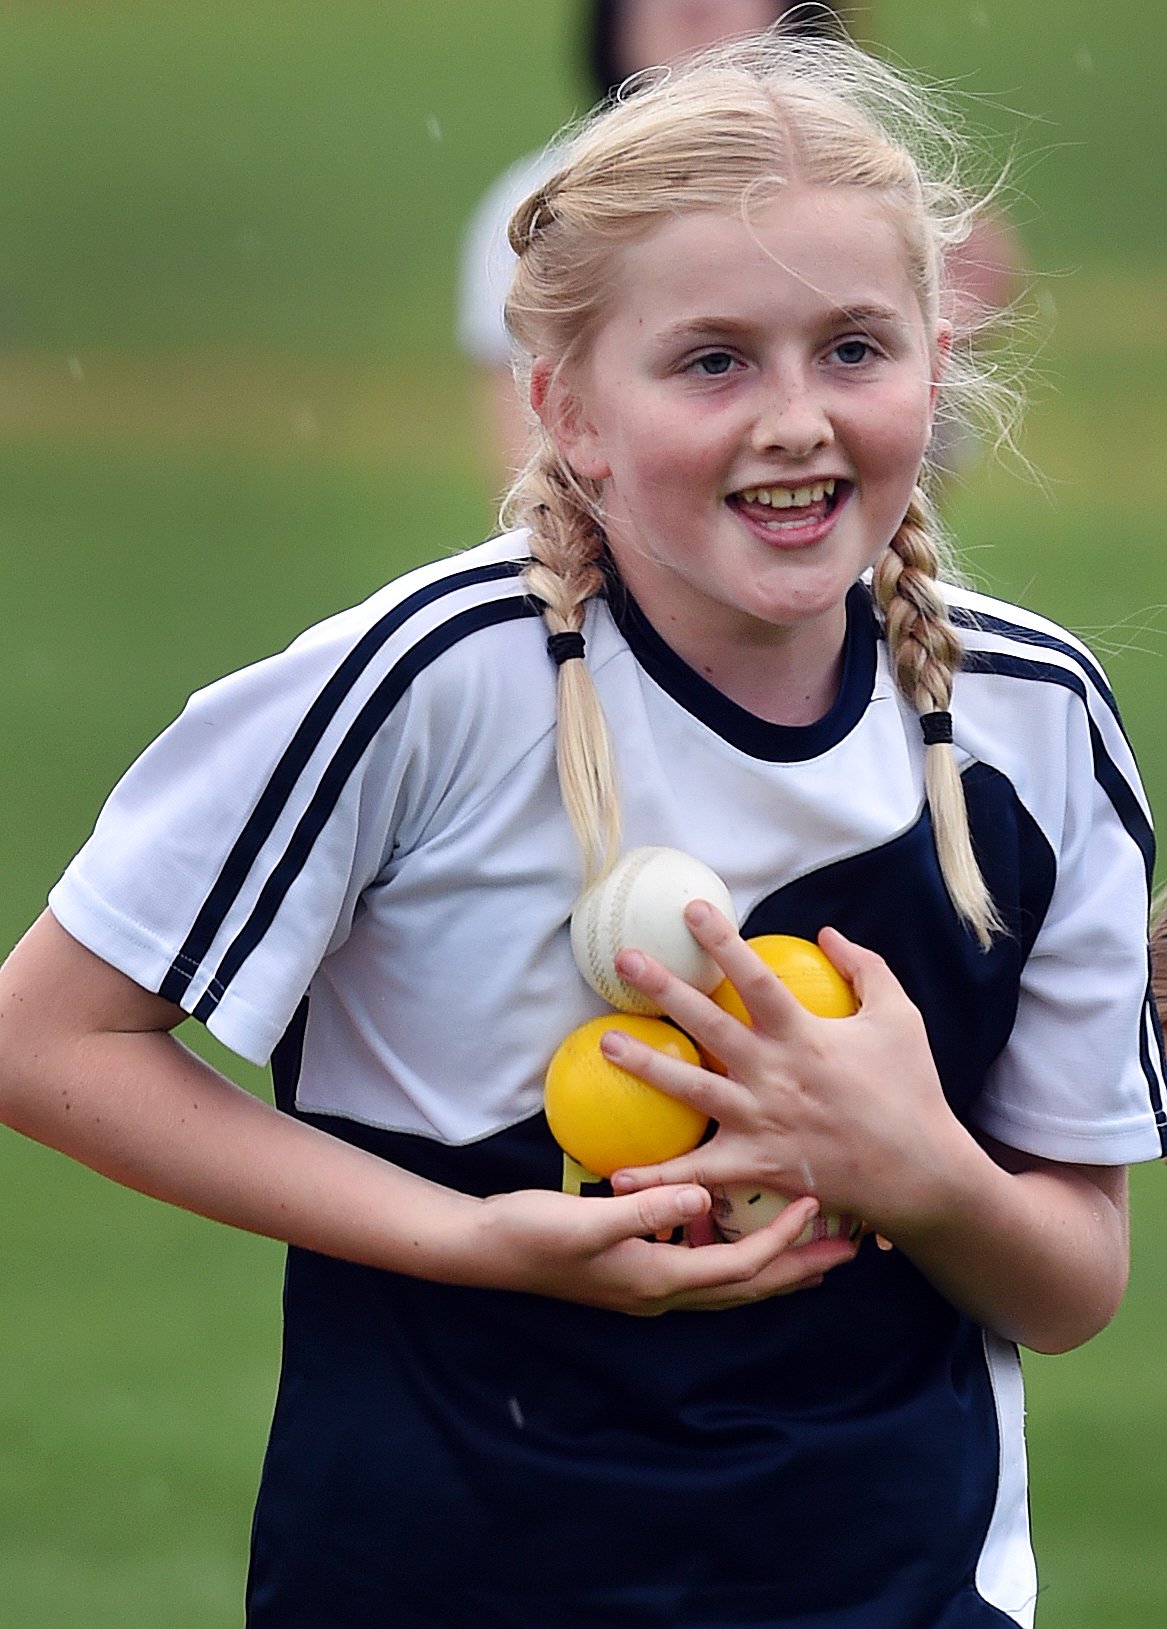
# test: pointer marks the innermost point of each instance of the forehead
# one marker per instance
(808, 249)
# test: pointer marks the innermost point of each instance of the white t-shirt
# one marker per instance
(355, 853)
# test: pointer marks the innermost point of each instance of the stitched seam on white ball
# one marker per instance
(614, 991)
(619, 907)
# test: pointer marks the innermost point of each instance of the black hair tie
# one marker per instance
(936, 729)
(565, 647)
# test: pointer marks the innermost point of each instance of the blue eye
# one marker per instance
(851, 351)
(714, 364)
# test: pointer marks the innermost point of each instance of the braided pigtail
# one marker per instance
(925, 653)
(565, 572)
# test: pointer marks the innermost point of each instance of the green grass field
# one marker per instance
(230, 404)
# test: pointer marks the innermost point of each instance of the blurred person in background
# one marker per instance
(621, 38)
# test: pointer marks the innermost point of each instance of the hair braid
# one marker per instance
(565, 543)
(925, 653)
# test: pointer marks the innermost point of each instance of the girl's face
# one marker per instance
(755, 407)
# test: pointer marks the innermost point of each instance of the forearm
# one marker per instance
(145, 1111)
(1036, 1252)
(88, 1065)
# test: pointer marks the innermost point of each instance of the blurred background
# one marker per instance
(230, 403)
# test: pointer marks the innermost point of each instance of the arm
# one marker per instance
(853, 1109)
(88, 1065)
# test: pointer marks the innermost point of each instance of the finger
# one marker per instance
(658, 1210)
(696, 1014)
(802, 1268)
(769, 1242)
(793, 1268)
(728, 1156)
(867, 973)
(765, 996)
(719, 1034)
(701, 1232)
(644, 1178)
(714, 1095)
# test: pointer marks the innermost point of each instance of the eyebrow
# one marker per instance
(867, 314)
(862, 315)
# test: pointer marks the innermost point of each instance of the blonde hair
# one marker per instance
(727, 133)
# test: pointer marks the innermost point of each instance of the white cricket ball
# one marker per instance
(639, 905)
(741, 1207)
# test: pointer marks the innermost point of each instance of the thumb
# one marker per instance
(676, 1176)
(866, 972)
(656, 1210)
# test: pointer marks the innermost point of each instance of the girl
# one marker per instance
(361, 857)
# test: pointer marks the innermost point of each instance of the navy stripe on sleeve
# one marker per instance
(980, 622)
(1151, 1055)
(1126, 805)
(284, 778)
(1109, 776)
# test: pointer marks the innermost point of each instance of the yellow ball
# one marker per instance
(804, 970)
(606, 1118)
(814, 981)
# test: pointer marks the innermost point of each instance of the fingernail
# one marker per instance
(691, 1201)
(613, 1045)
(697, 912)
(631, 964)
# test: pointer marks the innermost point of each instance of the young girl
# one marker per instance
(722, 610)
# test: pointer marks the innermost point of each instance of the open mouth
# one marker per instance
(787, 505)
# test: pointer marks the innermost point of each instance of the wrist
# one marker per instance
(436, 1233)
(947, 1185)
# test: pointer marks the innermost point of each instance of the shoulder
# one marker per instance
(351, 674)
(1017, 661)
(439, 603)
(1031, 700)
(1010, 640)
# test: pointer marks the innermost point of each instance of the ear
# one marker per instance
(941, 351)
(558, 406)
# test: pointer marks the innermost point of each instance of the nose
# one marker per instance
(792, 419)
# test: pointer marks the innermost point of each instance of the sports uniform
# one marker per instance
(354, 856)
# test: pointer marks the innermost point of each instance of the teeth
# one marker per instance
(786, 497)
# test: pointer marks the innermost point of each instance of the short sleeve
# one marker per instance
(1081, 1079)
(231, 857)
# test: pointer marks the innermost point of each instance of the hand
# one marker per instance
(849, 1109)
(601, 1252)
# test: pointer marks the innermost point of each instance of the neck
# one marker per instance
(793, 681)
(786, 675)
